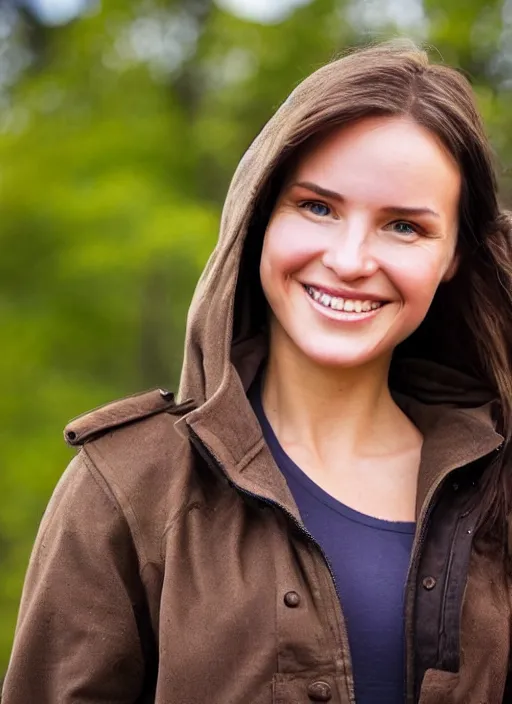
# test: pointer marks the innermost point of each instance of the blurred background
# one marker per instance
(121, 123)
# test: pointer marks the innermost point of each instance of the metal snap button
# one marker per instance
(319, 691)
(429, 583)
(166, 395)
(292, 599)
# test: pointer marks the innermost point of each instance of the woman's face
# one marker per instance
(362, 234)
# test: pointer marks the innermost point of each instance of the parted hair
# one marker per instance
(469, 325)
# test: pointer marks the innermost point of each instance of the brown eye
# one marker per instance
(316, 208)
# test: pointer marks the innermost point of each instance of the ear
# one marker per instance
(452, 268)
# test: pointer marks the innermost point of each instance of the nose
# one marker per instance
(349, 254)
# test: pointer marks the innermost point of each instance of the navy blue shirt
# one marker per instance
(369, 558)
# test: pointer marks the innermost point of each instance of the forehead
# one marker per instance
(380, 159)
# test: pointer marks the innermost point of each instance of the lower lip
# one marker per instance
(342, 315)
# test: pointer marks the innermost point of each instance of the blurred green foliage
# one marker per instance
(119, 133)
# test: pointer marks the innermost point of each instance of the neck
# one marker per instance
(325, 408)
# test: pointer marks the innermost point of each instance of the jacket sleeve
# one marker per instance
(77, 637)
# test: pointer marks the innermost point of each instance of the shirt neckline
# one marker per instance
(298, 475)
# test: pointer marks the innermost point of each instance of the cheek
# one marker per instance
(290, 243)
(417, 277)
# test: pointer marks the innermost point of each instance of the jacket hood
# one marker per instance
(228, 309)
(210, 322)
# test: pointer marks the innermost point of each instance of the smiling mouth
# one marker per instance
(347, 305)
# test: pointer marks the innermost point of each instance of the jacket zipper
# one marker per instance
(210, 458)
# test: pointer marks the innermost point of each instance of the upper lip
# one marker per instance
(345, 293)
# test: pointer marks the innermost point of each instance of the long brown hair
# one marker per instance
(397, 78)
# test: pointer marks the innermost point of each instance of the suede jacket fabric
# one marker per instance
(172, 565)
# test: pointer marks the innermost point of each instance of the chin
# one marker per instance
(334, 357)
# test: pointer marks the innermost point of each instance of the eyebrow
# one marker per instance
(392, 209)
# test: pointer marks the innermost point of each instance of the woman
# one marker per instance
(324, 515)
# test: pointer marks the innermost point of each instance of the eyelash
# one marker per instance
(307, 205)
(416, 230)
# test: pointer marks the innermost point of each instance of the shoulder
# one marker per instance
(135, 449)
(121, 413)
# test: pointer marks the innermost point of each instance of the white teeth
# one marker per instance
(337, 303)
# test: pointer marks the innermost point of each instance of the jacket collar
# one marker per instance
(454, 437)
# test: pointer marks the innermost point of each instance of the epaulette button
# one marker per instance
(166, 395)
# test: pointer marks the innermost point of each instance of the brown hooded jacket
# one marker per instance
(172, 565)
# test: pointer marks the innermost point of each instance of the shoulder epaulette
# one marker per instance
(122, 412)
